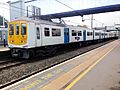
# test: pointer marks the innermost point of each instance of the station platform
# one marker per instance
(2, 48)
(98, 69)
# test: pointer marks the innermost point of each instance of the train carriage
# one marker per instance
(97, 35)
(75, 33)
(27, 37)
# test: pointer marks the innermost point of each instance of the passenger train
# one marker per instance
(27, 37)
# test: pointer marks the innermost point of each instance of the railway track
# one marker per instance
(8, 64)
(5, 61)
(4, 55)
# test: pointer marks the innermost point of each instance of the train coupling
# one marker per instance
(15, 53)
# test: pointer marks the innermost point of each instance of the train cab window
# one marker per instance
(74, 33)
(17, 29)
(23, 27)
(11, 29)
(56, 32)
(79, 33)
(38, 33)
(46, 32)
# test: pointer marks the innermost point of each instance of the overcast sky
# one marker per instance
(52, 6)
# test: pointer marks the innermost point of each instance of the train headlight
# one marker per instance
(11, 41)
(22, 41)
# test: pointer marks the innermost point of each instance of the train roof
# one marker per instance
(40, 21)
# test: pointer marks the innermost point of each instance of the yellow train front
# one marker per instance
(18, 38)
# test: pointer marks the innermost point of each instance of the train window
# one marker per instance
(23, 27)
(11, 29)
(96, 34)
(74, 33)
(38, 33)
(89, 33)
(17, 29)
(79, 33)
(56, 32)
(46, 32)
(99, 33)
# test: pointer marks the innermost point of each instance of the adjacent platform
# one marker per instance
(94, 70)
(2, 48)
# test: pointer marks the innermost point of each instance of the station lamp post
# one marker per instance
(92, 21)
(89, 19)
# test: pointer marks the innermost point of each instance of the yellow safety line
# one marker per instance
(86, 71)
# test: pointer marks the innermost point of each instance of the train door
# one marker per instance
(38, 35)
(66, 35)
(84, 35)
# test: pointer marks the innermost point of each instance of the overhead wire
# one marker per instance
(72, 22)
(69, 7)
(64, 4)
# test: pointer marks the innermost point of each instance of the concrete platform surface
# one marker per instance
(2, 48)
(68, 75)
(104, 76)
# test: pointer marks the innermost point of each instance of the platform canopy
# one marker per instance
(96, 10)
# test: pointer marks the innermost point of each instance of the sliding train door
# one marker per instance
(66, 35)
